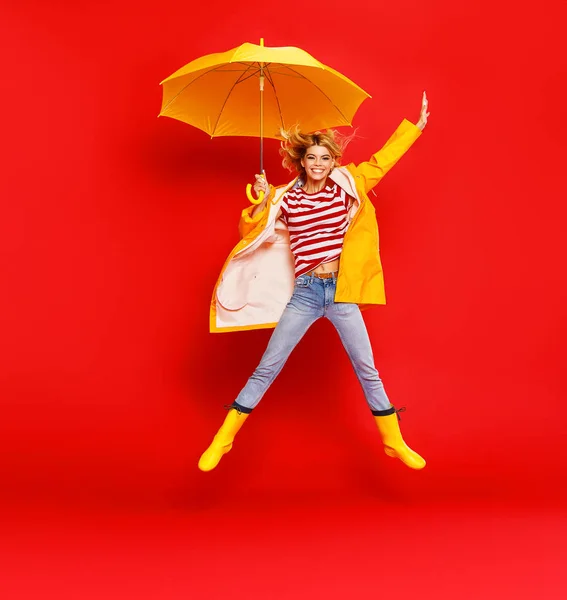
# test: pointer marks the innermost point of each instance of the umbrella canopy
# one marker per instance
(220, 93)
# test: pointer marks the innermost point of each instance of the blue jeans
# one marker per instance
(312, 299)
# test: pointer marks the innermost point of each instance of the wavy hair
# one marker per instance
(295, 144)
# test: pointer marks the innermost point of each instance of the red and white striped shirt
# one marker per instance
(317, 224)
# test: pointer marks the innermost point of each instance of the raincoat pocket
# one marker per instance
(233, 291)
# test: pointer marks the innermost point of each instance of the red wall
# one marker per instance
(111, 385)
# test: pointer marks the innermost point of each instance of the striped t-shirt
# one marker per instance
(317, 224)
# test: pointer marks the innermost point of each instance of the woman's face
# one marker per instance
(317, 162)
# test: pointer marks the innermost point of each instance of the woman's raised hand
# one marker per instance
(424, 112)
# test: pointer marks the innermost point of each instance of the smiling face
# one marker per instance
(317, 162)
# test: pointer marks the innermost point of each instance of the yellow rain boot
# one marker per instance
(394, 444)
(222, 442)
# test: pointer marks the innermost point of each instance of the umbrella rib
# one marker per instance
(248, 77)
(217, 68)
(227, 97)
(271, 81)
(322, 92)
(185, 87)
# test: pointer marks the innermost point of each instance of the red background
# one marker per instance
(111, 385)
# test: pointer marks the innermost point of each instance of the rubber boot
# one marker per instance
(222, 442)
(394, 444)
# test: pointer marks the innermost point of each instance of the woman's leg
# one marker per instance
(353, 333)
(302, 311)
(304, 308)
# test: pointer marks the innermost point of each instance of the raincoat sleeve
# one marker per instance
(402, 139)
(249, 222)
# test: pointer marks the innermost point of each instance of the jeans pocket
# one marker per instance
(302, 282)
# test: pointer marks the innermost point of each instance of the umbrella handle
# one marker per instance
(251, 197)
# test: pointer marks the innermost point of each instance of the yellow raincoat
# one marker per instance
(257, 279)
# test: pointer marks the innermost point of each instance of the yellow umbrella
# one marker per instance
(254, 90)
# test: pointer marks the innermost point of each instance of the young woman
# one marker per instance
(310, 250)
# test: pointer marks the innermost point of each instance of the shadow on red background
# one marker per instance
(115, 225)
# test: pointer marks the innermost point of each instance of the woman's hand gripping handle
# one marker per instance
(261, 188)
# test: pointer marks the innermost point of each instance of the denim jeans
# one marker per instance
(312, 299)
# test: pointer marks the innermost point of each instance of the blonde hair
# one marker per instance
(295, 144)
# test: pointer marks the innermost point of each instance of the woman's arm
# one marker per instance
(372, 171)
(252, 215)
(261, 185)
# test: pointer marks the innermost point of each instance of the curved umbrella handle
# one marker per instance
(251, 197)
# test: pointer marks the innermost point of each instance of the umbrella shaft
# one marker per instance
(261, 120)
